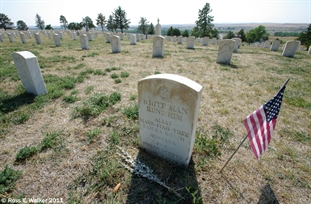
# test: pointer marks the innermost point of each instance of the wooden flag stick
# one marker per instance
(233, 153)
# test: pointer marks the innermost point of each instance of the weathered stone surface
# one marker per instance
(158, 46)
(84, 41)
(190, 42)
(56, 39)
(168, 111)
(275, 45)
(225, 51)
(115, 44)
(290, 48)
(29, 71)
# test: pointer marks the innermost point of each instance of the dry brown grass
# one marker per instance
(230, 93)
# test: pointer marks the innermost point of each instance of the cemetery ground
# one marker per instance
(65, 144)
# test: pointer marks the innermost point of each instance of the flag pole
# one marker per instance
(234, 153)
(246, 136)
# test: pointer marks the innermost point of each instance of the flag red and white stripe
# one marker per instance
(261, 123)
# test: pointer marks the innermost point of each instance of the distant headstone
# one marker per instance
(89, 36)
(115, 44)
(205, 41)
(133, 39)
(74, 35)
(121, 36)
(179, 39)
(49, 35)
(158, 28)
(1, 37)
(174, 38)
(84, 41)
(10, 36)
(298, 46)
(266, 44)
(107, 36)
(38, 38)
(22, 36)
(158, 46)
(225, 51)
(56, 39)
(29, 71)
(168, 112)
(61, 35)
(290, 48)
(190, 42)
(275, 45)
(236, 44)
(214, 41)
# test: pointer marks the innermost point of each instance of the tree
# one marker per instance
(39, 22)
(257, 34)
(143, 25)
(101, 21)
(151, 30)
(170, 31)
(229, 35)
(241, 34)
(204, 26)
(64, 22)
(176, 32)
(75, 26)
(5, 22)
(87, 22)
(111, 24)
(21, 25)
(305, 37)
(120, 19)
(185, 33)
(49, 27)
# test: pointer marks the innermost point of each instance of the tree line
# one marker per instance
(118, 20)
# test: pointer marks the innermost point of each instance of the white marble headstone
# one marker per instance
(205, 41)
(84, 41)
(290, 48)
(275, 45)
(133, 39)
(158, 46)
(38, 38)
(56, 39)
(115, 44)
(168, 111)
(190, 42)
(225, 51)
(29, 71)
(179, 39)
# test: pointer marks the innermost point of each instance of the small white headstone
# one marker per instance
(10, 36)
(38, 38)
(225, 51)
(90, 36)
(168, 111)
(266, 44)
(179, 40)
(214, 41)
(115, 44)
(29, 71)
(84, 41)
(275, 45)
(290, 48)
(158, 46)
(56, 39)
(190, 42)
(236, 44)
(74, 35)
(205, 41)
(133, 39)
(107, 36)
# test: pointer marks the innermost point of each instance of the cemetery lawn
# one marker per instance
(64, 144)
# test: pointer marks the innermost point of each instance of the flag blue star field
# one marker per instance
(261, 123)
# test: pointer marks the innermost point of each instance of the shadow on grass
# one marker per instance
(182, 180)
(157, 57)
(226, 66)
(267, 196)
(12, 103)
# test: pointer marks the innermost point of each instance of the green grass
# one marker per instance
(117, 81)
(8, 177)
(131, 112)
(51, 140)
(99, 72)
(25, 153)
(125, 74)
(114, 76)
(96, 104)
(93, 134)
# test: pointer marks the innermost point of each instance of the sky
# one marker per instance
(168, 11)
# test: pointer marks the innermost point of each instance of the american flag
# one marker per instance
(261, 123)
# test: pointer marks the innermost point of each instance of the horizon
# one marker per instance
(169, 12)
